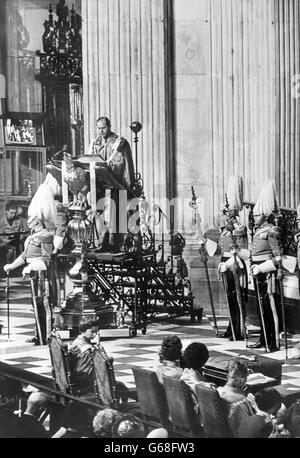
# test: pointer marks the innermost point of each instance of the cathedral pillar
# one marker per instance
(126, 74)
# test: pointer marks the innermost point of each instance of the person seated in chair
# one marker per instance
(75, 423)
(128, 426)
(29, 425)
(261, 424)
(291, 420)
(103, 422)
(82, 360)
(195, 356)
(170, 357)
(81, 355)
(10, 394)
(235, 401)
(233, 390)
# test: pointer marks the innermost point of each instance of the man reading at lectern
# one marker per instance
(115, 151)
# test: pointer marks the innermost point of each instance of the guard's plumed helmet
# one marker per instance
(233, 201)
(235, 193)
(267, 202)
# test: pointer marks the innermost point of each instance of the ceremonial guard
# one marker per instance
(266, 266)
(37, 252)
(233, 243)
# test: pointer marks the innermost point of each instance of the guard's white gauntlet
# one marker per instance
(14, 265)
(265, 267)
(222, 267)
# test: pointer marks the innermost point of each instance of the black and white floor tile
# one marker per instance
(141, 350)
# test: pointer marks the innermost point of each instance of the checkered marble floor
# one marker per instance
(141, 350)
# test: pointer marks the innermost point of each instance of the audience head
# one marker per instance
(11, 210)
(128, 426)
(268, 400)
(36, 404)
(158, 433)
(170, 349)
(195, 355)
(103, 422)
(89, 329)
(292, 419)
(237, 373)
(10, 392)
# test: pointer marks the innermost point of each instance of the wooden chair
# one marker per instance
(213, 413)
(182, 412)
(104, 379)
(151, 397)
(61, 369)
(109, 391)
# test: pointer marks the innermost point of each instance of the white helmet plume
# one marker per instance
(267, 202)
(42, 204)
(235, 193)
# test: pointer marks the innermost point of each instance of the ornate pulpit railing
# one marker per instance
(125, 285)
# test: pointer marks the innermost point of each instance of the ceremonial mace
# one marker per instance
(204, 258)
(136, 127)
(7, 304)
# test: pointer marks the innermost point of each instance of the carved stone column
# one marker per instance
(127, 77)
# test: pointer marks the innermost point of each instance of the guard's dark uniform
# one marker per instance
(237, 236)
(266, 246)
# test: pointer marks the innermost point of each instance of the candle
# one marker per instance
(28, 98)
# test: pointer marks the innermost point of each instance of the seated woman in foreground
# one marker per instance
(236, 402)
(262, 424)
(82, 363)
(170, 358)
(80, 354)
(195, 356)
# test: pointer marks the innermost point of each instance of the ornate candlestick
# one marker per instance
(82, 304)
(78, 305)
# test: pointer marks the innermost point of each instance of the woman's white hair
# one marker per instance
(42, 204)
